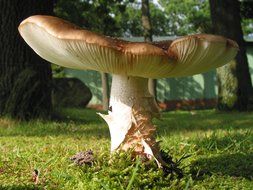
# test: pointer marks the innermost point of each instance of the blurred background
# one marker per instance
(30, 88)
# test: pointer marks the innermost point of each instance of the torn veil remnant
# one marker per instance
(132, 108)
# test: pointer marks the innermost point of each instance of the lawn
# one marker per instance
(219, 145)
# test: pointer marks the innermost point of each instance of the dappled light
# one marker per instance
(219, 145)
(234, 165)
(203, 121)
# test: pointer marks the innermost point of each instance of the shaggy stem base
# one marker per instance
(130, 115)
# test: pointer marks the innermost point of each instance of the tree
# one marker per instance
(131, 20)
(24, 77)
(234, 81)
(105, 87)
(99, 16)
(187, 16)
(147, 33)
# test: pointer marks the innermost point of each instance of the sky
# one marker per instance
(156, 3)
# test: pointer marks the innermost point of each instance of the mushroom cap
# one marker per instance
(68, 45)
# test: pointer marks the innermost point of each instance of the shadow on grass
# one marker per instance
(67, 122)
(61, 129)
(77, 116)
(86, 122)
(203, 120)
(229, 142)
(170, 121)
(235, 165)
(228, 155)
(20, 187)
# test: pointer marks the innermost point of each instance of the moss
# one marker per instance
(220, 146)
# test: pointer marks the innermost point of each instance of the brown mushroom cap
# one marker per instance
(67, 45)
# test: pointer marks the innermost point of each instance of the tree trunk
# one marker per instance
(234, 81)
(25, 78)
(209, 85)
(105, 90)
(147, 27)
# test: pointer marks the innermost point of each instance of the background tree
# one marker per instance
(234, 80)
(105, 89)
(24, 77)
(97, 15)
(187, 16)
(131, 20)
(147, 33)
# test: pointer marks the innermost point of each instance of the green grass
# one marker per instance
(220, 146)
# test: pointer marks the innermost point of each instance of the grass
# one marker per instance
(220, 146)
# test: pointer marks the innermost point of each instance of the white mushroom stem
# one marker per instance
(129, 118)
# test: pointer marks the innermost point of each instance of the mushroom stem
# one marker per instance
(130, 115)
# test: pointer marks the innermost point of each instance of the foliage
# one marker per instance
(114, 17)
(247, 23)
(96, 15)
(57, 71)
(123, 17)
(220, 146)
(187, 16)
(247, 26)
(131, 20)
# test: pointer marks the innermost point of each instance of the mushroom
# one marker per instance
(132, 107)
